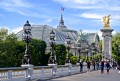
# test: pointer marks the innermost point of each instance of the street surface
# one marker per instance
(91, 76)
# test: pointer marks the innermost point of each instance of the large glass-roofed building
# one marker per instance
(42, 32)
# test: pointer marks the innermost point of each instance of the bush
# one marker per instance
(74, 59)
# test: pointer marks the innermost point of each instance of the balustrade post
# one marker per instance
(69, 69)
(54, 70)
(61, 69)
(42, 72)
(10, 75)
(29, 73)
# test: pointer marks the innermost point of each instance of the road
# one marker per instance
(91, 76)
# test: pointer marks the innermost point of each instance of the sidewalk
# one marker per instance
(92, 76)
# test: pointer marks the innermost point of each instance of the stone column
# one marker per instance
(107, 42)
(110, 46)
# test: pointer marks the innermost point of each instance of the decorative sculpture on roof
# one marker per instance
(106, 21)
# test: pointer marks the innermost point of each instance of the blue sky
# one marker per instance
(78, 14)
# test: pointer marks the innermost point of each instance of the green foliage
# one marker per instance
(74, 59)
(100, 45)
(60, 52)
(38, 52)
(3, 34)
(8, 50)
(12, 51)
(115, 47)
(98, 57)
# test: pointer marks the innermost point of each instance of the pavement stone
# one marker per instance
(91, 76)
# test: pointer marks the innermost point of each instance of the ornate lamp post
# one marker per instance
(27, 38)
(52, 44)
(68, 40)
(93, 50)
(79, 50)
(87, 50)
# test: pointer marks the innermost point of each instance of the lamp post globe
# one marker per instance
(68, 41)
(52, 44)
(27, 38)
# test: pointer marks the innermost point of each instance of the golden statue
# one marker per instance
(106, 21)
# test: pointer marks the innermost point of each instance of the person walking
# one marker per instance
(102, 67)
(81, 66)
(88, 65)
(107, 66)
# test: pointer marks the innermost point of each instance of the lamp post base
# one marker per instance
(68, 64)
(77, 63)
(27, 65)
(52, 64)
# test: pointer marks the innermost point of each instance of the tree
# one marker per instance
(3, 34)
(12, 50)
(38, 48)
(60, 52)
(8, 49)
(115, 47)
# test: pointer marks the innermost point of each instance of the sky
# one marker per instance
(78, 14)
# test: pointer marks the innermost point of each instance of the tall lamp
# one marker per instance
(27, 38)
(79, 50)
(52, 44)
(68, 40)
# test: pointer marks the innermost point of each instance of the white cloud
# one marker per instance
(112, 5)
(15, 3)
(17, 29)
(18, 6)
(91, 15)
(115, 8)
(21, 7)
(77, 1)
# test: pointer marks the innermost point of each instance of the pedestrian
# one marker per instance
(97, 64)
(102, 67)
(88, 65)
(81, 66)
(107, 66)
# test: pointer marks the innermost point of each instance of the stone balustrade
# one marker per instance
(37, 72)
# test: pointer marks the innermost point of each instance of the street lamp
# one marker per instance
(79, 50)
(93, 50)
(27, 38)
(87, 49)
(68, 40)
(52, 44)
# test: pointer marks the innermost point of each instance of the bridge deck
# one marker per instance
(91, 76)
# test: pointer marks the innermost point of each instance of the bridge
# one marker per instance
(38, 72)
(91, 76)
(54, 73)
